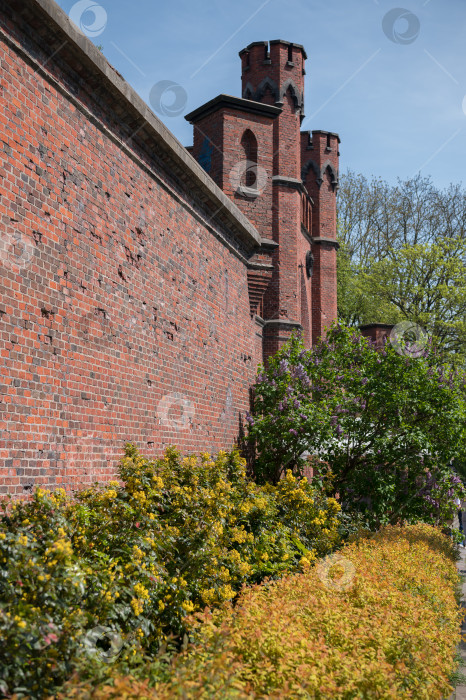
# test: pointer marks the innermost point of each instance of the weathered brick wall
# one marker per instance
(124, 305)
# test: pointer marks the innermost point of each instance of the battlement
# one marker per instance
(262, 49)
(270, 69)
(307, 137)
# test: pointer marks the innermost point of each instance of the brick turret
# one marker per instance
(319, 173)
(284, 181)
(273, 73)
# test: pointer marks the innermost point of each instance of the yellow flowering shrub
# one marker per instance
(167, 539)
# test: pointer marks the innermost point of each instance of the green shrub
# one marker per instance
(103, 579)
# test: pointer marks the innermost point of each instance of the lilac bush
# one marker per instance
(388, 424)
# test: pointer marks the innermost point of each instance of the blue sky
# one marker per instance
(397, 98)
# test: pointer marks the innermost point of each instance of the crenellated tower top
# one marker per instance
(271, 69)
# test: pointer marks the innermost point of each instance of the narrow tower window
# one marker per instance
(249, 144)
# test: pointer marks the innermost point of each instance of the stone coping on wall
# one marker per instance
(91, 65)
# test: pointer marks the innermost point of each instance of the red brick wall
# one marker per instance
(122, 316)
(379, 333)
(208, 140)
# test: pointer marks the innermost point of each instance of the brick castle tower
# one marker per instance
(285, 182)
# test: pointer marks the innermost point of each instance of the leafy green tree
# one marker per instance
(425, 283)
(388, 421)
(402, 256)
(357, 304)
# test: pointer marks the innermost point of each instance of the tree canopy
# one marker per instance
(402, 256)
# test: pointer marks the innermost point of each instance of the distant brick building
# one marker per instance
(142, 285)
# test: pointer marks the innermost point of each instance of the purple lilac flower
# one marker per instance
(298, 372)
(283, 366)
(293, 431)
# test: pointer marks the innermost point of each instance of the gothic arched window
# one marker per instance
(249, 144)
